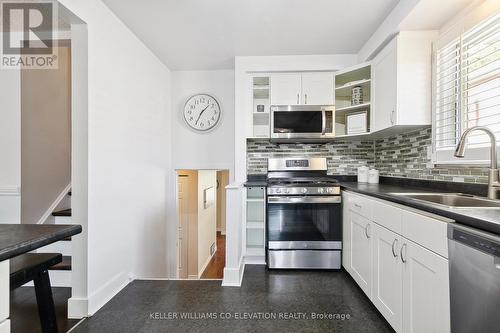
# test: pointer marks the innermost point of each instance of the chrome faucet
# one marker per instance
(493, 181)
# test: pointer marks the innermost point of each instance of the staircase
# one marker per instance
(60, 274)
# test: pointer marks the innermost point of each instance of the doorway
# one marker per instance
(201, 223)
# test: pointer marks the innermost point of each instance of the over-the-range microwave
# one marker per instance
(302, 122)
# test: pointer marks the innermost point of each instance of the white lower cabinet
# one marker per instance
(360, 251)
(426, 300)
(4, 297)
(407, 282)
(387, 275)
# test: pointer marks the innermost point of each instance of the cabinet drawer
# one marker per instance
(360, 205)
(426, 231)
(387, 216)
(4, 290)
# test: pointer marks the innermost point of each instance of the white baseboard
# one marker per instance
(234, 276)
(106, 292)
(200, 273)
(5, 326)
(78, 308)
(53, 206)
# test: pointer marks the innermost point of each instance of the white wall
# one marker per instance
(10, 146)
(45, 136)
(129, 156)
(212, 150)
(207, 218)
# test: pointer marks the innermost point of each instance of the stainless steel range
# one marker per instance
(304, 215)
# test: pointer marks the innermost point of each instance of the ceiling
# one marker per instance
(207, 34)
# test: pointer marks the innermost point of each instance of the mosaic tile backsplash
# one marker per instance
(343, 157)
(404, 155)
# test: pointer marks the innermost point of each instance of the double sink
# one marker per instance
(452, 200)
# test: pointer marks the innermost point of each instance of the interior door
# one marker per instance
(387, 275)
(317, 89)
(384, 76)
(426, 296)
(182, 225)
(361, 251)
(286, 89)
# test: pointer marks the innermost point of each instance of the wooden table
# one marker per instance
(16, 239)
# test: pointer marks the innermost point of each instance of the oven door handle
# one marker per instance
(311, 199)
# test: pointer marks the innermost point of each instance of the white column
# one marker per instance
(4, 297)
(233, 272)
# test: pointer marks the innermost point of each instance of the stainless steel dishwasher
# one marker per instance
(474, 259)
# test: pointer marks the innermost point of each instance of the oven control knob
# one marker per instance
(286, 191)
(321, 190)
(304, 190)
(278, 190)
(330, 190)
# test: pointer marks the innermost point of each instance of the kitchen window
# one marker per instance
(467, 92)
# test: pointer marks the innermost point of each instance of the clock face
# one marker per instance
(202, 112)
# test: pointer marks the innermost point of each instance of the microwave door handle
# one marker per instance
(323, 116)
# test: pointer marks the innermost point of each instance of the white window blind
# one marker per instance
(467, 91)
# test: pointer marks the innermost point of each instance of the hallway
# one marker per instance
(215, 268)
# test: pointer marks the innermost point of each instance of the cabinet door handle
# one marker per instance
(394, 252)
(392, 116)
(357, 206)
(366, 231)
(298, 96)
(305, 98)
(401, 252)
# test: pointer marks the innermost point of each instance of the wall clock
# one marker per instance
(202, 112)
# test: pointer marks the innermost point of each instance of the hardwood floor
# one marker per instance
(215, 268)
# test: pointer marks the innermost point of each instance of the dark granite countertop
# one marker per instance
(16, 239)
(482, 218)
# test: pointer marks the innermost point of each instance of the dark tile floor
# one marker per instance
(144, 306)
(24, 311)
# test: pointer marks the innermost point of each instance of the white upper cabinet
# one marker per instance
(286, 89)
(402, 76)
(384, 74)
(302, 89)
(317, 89)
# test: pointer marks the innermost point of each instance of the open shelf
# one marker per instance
(261, 101)
(352, 108)
(255, 199)
(254, 251)
(255, 225)
(346, 90)
(358, 72)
